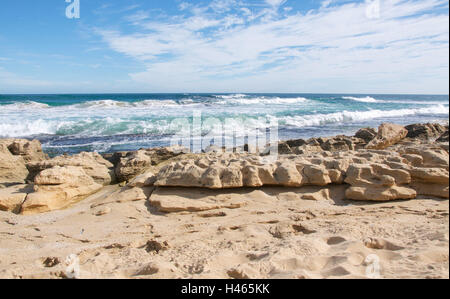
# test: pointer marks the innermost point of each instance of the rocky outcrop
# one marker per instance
(388, 134)
(12, 168)
(57, 188)
(343, 143)
(366, 134)
(93, 164)
(425, 131)
(144, 180)
(361, 164)
(172, 201)
(11, 198)
(317, 145)
(236, 171)
(31, 151)
(378, 182)
(132, 165)
(135, 163)
(444, 137)
(15, 155)
(374, 175)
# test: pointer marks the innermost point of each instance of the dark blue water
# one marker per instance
(114, 122)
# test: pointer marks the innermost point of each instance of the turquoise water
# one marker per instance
(114, 122)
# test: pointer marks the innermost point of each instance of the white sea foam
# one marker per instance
(349, 116)
(262, 100)
(28, 105)
(93, 125)
(409, 102)
(364, 99)
(231, 96)
(120, 104)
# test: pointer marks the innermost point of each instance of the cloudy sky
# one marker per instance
(311, 46)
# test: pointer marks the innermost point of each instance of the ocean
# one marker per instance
(105, 123)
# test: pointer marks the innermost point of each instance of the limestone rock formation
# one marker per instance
(343, 143)
(144, 180)
(378, 182)
(172, 201)
(388, 134)
(236, 171)
(12, 168)
(135, 163)
(132, 165)
(372, 174)
(31, 151)
(11, 198)
(93, 164)
(425, 131)
(57, 188)
(366, 134)
(362, 165)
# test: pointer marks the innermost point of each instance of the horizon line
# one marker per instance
(281, 93)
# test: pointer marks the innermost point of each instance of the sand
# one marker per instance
(308, 232)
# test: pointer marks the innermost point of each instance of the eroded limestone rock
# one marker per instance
(93, 164)
(136, 163)
(388, 134)
(57, 188)
(11, 198)
(12, 168)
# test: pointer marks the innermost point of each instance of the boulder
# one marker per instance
(378, 183)
(388, 134)
(136, 163)
(31, 151)
(57, 188)
(284, 149)
(12, 168)
(342, 143)
(366, 134)
(144, 180)
(93, 164)
(132, 165)
(296, 142)
(425, 131)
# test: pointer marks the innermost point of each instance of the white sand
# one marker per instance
(275, 233)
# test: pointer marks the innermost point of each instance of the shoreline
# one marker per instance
(318, 210)
(444, 123)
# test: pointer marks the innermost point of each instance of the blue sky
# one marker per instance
(331, 46)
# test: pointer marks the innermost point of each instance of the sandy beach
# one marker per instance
(373, 205)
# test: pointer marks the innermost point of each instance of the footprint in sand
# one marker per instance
(336, 240)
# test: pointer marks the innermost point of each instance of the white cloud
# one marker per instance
(221, 48)
(275, 2)
(138, 16)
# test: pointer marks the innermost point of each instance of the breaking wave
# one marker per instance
(128, 124)
(364, 99)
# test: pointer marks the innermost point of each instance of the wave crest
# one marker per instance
(364, 99)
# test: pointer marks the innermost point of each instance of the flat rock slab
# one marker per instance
(11, 198)
(172, 200)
